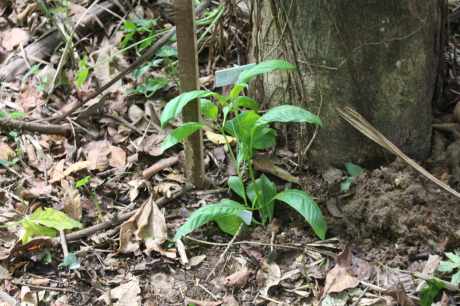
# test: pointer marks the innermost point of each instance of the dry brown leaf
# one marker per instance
(78, 166)
(30, 98)
(268, 166)
(4, 274)
(151, 144)
(238, 279)
(28, 297)
(127, 294)
(230, 300)
(340, 278)
(219, 139)
(166, 188)
(14, 37)
(38, 189)
(56, 172)
(104, 71)
(117, 157)
(201, 303)
(98, 154)
(72, 201)
(268, 276)
(148, 225)
(6, 153)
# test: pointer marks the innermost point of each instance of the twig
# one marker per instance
(49, 288)
(142, 59)
(286, 246)
(221, 257)
(58, 129)
(65, 249)
(362, 125)
(160, 165)
(121, 218)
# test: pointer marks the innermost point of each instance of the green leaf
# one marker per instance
(446, 266)
(17, 115)
(53, 218)
(456, 279)
(167, 51)
(83, 182)
(236, 185)
(429, 293)
(179, 134)
(174, 107)
(246, 102)
(267, 191)
(346, 184)
(242, 125)
(209, 109)
(229, 224)
(307, 207)
(32, 229)
(151, 86)
(213, 212)
(264, 67)
(353, 170)
(453, 258)
(264, 138)
(70, 261)
(83, 72)
(289, 113)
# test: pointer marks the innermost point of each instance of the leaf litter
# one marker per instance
(115, 139)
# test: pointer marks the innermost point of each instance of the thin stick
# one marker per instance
(56, 129)
(121, 218)
(224, 253)
(160, 165)
(142, 59)
(65, 249)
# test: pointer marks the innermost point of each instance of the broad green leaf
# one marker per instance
(267, 191)
(229, 224)
(289, 113)
(241, 127)
(179, 134)
(32, 229)
(209, 109)
(264, 138)
(151, 86)
(236, 185)
(247, 102)
(262, 68)
(212, 212)
(453, 258)
(17, 115)
(456, 279)
(429, 293)
(53, 218)
(236, 90)
(174, 107)
(446, 266)
(346, 184)
(307, 207)
(353, 170)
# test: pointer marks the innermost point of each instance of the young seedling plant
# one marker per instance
(237, 119)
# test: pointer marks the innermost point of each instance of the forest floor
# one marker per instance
(389, 234)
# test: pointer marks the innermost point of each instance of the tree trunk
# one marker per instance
(378, 57)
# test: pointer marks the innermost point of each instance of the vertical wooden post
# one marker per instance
(188, 74)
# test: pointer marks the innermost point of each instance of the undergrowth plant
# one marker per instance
(238, 120)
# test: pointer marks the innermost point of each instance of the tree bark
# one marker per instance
(379, 57)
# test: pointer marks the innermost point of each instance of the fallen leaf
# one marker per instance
(28, 297)
(239, 279)
(7, 300)
(127, 294)
(340, 277)
(430, 267)
(219, 139)
(151, 144)
(37, 190)
(6, 153)
(104, 70)
(14, 37)
(72, 201)
(196, 260)
(4, 274)
(30, 98)
(268, 276)
(162, 284)
(166, 188)
(117, 157)
(230, 300)
(98, 154)
(201, 303)
(267, 165)
(148, 225)
(78, 166)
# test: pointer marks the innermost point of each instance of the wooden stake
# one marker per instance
(188, 74)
